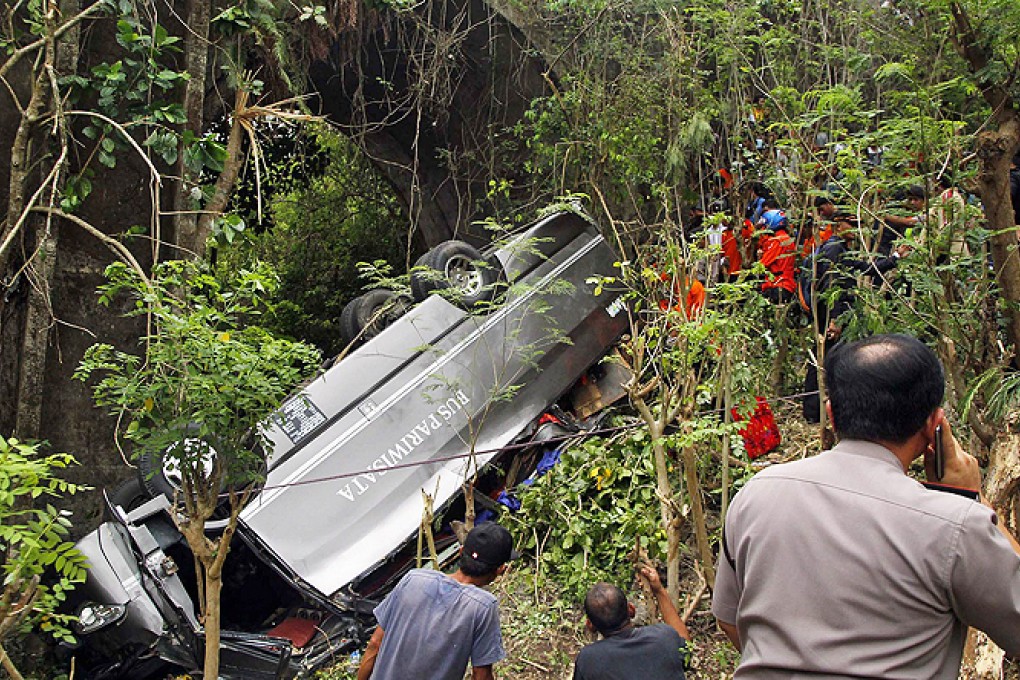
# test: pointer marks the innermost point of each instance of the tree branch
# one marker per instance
(59, 31)
(118, 248)
(224, 186)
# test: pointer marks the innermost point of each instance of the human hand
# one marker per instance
(903, 250)
(961, 468)
(650, 575)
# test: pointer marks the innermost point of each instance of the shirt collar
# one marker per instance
(866, 449)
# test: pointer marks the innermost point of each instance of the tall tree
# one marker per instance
(987, 34)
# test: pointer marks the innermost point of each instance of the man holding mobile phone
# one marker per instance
(841, 565)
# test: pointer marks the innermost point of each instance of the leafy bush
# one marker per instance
(40, 564)
(583, 518)
(322, 228)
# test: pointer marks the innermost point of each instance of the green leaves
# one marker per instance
(258, 16)
(205, 374)
(590, 508)
(164, 143)
(76, 190)
(131, 89)
(316, 13)
(206, 152)
(228, 227)
(40, 563)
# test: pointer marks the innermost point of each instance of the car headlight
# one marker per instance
(93, 616)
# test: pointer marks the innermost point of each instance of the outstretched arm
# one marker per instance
(670, 616)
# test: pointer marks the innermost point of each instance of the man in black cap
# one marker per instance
(658, 651)
(432, 624)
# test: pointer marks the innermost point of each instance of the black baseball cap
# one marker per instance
(490, 546)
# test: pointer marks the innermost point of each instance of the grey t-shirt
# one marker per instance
(433, 625)
(650, 652)
(846, 567)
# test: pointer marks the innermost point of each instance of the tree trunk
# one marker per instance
(670, 520)
(782, 350)
(996, 147)
(1002, 482)
(727, 405)
(995, 150)
(40, 235)
(17, 197)
(211, 623)
(8, 665)
(698, 513)
(35, 335)
(667, 506)
(196, 60)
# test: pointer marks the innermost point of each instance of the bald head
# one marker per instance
(606, 608)
(883, 388)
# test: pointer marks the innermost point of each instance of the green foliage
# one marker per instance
(40, 563)
(345, 670)
(138, 88)
(323, 226)
(581, 519)
(205, 373)
(246, 16)
(950, 301)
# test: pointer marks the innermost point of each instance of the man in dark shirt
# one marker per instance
(836, 269)
(626, 651)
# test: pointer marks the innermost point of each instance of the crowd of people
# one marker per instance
(838, 565)
(818, 261)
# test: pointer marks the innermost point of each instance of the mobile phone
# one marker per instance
(940, 455)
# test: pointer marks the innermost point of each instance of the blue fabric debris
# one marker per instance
(549, 460)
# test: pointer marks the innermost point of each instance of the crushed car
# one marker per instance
(433, 396)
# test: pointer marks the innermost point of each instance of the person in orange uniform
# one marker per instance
(778, 254)
(694, 302)
(732, 260)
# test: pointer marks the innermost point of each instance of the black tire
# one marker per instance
(367, 315)
(152, 477)
(130, 494)
(152, 474)
(155, 475)
(457, 267)
(420, 277)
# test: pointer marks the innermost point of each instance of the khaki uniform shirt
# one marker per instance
(845, 566)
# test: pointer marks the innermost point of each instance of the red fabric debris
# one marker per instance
(761, 435)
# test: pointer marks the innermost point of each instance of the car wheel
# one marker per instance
(367, 315)
(130, 494)
(159, 475)
(457, 267)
